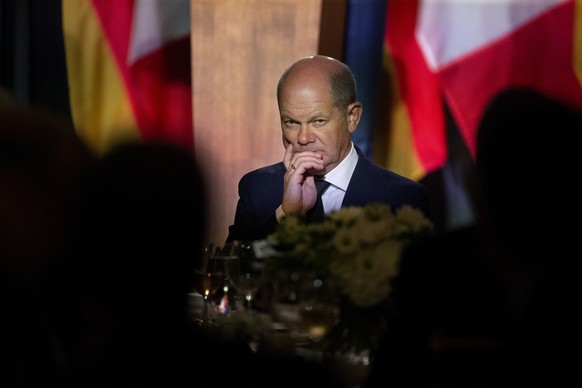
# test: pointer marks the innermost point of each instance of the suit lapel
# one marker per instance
(362, 182)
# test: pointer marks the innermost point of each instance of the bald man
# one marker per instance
(319, 112)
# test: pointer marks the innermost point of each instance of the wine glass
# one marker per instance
(318, 308)
(246, 273)
(306, 304)
(226, 258)
(208, 279)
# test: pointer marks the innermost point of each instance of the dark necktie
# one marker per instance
(316, 213)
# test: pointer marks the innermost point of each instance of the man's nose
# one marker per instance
(305, 135)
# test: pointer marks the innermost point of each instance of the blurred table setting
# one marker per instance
(290, 315)
(319, 290)
(231, 288)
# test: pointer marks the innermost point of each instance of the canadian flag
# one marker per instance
(129, 70)
(463, 52)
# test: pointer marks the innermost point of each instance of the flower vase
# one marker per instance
(350, 345)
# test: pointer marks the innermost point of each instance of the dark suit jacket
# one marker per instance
(261, 191)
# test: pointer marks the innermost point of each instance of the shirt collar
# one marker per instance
(340, 176)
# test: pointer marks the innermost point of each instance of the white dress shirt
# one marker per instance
(339, 178)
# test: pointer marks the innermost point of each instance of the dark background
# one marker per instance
(32, 59)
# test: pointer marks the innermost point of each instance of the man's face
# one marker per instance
(310, 122)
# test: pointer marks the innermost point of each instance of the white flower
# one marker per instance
(358, 248)
(366, 279)
(374, 231)
(411, 220)
(346, 242)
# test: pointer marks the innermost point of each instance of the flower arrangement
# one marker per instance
(357, 248)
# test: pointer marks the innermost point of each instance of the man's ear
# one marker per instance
(354, 115)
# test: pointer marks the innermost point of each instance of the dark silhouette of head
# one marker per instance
(143, 223)
(526, 167)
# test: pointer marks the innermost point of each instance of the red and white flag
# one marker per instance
(129, 70)
(466, 51)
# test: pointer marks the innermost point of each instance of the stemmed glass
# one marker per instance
(246, 273)
(225, 274)
(227, 259)
(208, 278)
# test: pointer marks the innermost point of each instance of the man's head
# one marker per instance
(318, 110)
(526, 166)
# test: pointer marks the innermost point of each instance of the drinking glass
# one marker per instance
(245, 273)
(307, 305)
(208, 279)
(226, 258)
(318, 308)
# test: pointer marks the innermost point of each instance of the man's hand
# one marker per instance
(299, 192)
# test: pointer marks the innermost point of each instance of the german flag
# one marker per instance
(129, 70)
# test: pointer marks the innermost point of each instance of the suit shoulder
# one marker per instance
(265, 175)
(265, 172)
